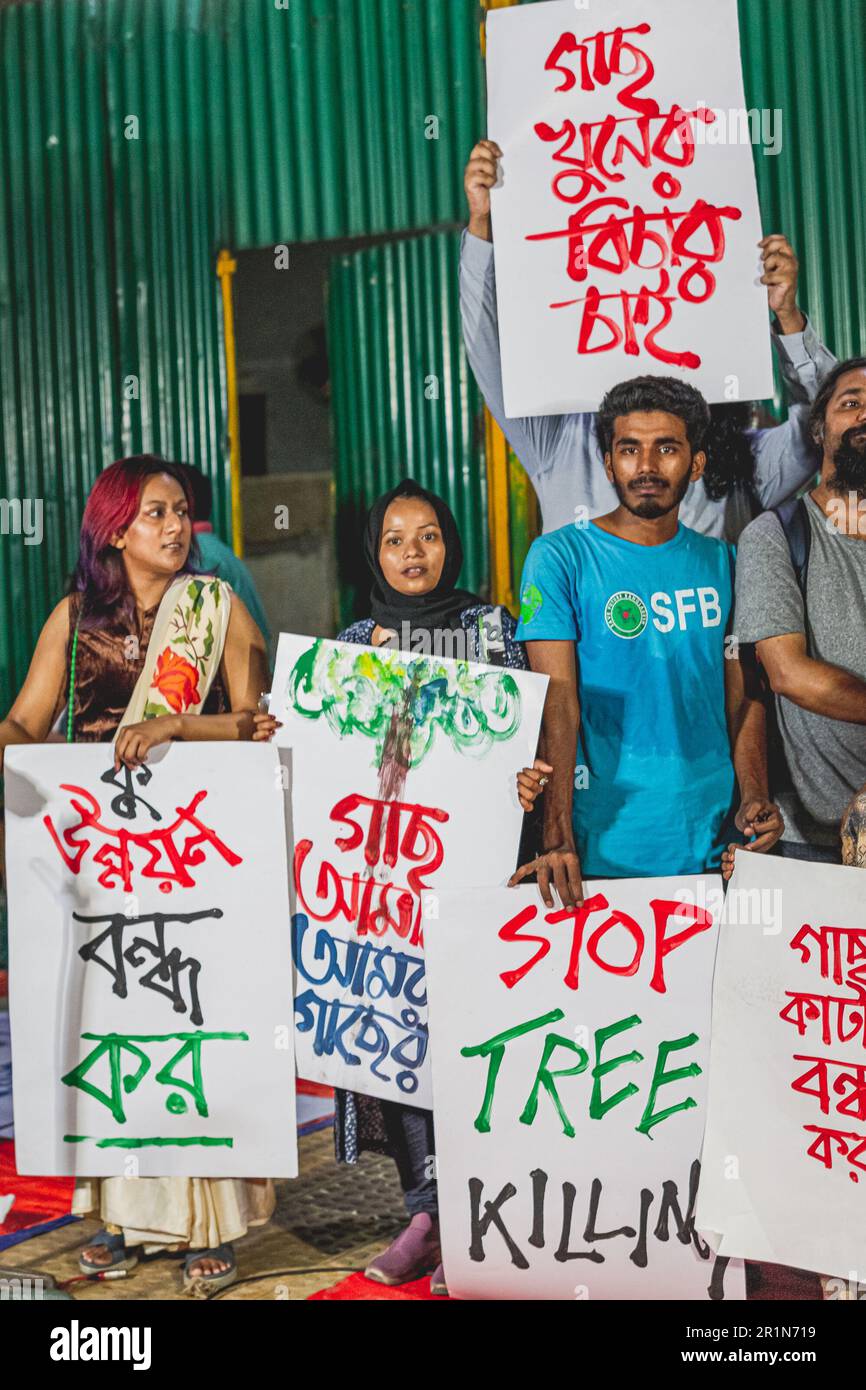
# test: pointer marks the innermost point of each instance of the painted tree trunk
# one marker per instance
(854, 832)
(397, 751)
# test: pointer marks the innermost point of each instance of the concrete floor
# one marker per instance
(328, 1221)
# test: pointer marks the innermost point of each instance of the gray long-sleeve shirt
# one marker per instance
(561, 453)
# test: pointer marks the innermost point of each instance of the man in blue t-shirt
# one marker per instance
(628, 617)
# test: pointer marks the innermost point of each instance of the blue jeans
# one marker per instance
(410, 1137)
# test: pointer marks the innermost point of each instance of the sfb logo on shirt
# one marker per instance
(626, 615)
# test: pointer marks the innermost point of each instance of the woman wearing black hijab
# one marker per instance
(413, 549)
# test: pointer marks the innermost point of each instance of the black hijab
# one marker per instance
(442, 606)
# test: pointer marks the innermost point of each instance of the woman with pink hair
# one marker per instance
(108, 667)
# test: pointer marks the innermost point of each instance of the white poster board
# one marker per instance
(570, 1051)
(149, 962)
(785, 1150)
(403, 778)
(625, 232)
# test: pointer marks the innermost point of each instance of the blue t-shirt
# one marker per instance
(655, 783)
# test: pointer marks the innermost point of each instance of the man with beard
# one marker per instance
(804, 606)
(628, 617)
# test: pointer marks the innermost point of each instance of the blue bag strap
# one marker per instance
(794, 520)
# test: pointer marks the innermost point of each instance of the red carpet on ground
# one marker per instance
(313, 1088)
(358, 1289)
(37, 1200)
(315, 1107)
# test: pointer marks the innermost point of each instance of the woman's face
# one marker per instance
(412, 551)
(158, 540)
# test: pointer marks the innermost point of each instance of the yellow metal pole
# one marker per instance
(226, 267)
(492, 5)
(502, 580)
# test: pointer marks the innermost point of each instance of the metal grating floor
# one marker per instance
(349, 1205)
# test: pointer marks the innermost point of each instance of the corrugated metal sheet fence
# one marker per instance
(59, 409)
(404, 399)
(807, 61)
(136, 137)
(334, 141)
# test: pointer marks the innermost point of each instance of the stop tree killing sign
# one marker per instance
(570, 1050)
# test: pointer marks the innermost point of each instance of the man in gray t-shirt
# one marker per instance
(814, 651)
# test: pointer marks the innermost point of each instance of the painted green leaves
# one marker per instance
(360, 692)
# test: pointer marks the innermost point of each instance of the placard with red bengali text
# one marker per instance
(403, 778)
(785, 1150)
(626, 222)
(150, 962)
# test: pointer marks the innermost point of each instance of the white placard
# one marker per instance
(570, 1051)
(623, 245)
(785, 1150)
(404, 778)
(150, 966)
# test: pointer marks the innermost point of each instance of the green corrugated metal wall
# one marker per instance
(260, 125)
(404, 398)
(332, 143)
(257, 125)
(161, 64)
(59, 413)
(808, 59)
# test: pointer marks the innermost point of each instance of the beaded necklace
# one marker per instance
(71, 702)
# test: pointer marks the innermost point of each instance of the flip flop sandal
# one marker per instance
(120, 1257)
(203, 1285)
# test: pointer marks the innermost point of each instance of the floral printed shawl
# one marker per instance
(184, 651)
